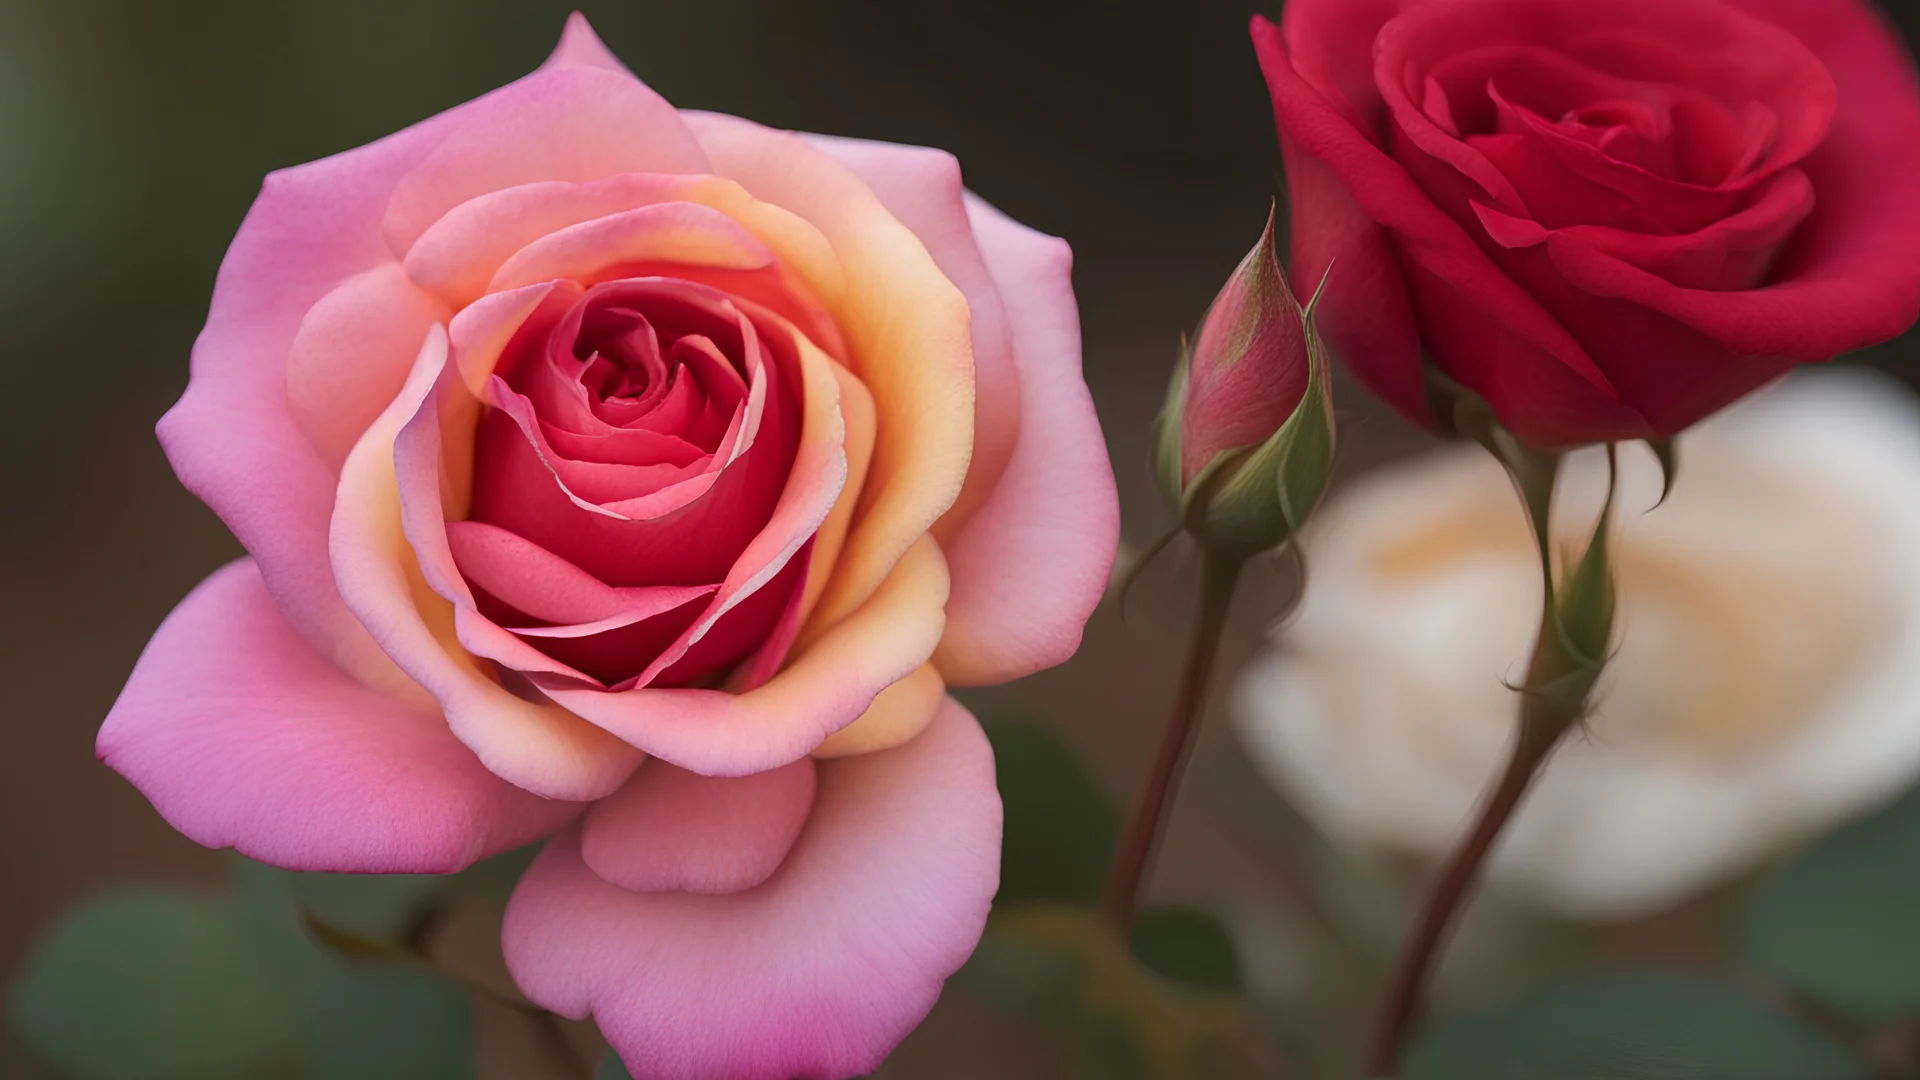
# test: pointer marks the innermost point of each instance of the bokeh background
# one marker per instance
(133, 136)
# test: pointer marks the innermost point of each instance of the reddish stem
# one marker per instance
(1146, 820)
(1420, 949)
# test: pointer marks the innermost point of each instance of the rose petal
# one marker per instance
(581, 47)
(244, 737)
(512, 437)
(906, 331)
(755, 632)
(538, 746)
(1848, 278)
(519, 489)
(857, 417)
(826, 686)
(460, 253)
(233, 438)
(818, 972)
(922, 187)
(428, 480)
(669, 830)
(901, 712)
(1365, 315)
(534, 580)
(352, 353)
(1501, 329)
(1032, 563)
(1331, 46)
(1638, 346)
(668, 232)
(572, 122)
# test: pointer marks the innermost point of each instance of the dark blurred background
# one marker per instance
(133, 136)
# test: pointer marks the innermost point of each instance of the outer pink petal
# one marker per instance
(458, 255)
(574, 123)
(581, 47)
(817, 973)
(352, 354)
(1030, 566)
(669, 830)
(921, 186)
(232, 437)
(243, 736)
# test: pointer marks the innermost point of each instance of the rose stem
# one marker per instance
(1147, 817)
(1535, 738)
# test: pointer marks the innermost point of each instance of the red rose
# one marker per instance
(1609, 218)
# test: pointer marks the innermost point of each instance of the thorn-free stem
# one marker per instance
(1146, 820)
(1537, 733)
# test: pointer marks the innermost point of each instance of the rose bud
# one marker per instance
(1245, 439)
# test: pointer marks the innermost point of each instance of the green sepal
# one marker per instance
(1576, 624)
(1669, 454)
(1577, 628)
(1585, 605)
(1166, 431)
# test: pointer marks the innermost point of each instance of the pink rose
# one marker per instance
(566, 430)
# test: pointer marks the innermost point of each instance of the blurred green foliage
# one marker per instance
(151, 983)
(1840, 922)
(1165, 1001)
(1633, 1026)
(1188, 946)
(291, 976)
(1060, 825)
(146, 983)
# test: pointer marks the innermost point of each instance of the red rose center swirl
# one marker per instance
(663, 426)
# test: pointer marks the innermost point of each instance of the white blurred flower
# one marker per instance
(1766, 683)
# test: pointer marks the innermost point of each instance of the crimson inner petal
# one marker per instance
(645, 440)
(1642, 116)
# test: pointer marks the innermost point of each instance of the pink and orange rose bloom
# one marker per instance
(639, 479)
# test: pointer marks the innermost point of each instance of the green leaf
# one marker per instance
(1188, 946)
(1633, 1026)
(1837, 923)
(265, 910)
(1066, 966)
(153, 984)
(1025, 974)
(1060, 825)
(353, 947)
(1108, 1047)
(493, 878)
(610, 1068)
(390, 1024)
(382, 907)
